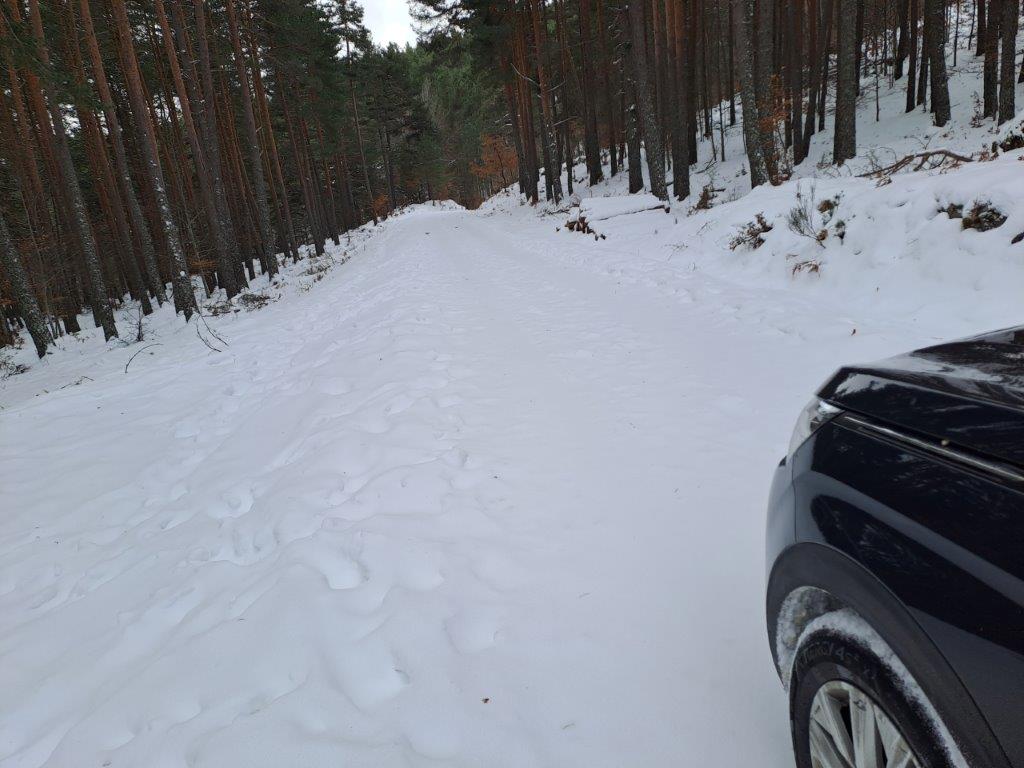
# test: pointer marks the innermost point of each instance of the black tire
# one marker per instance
(828, 656)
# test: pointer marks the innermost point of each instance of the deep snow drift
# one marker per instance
(488, 492)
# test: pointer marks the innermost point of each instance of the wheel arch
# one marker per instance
(809, 580)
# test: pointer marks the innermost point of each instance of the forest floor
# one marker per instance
(474, 490)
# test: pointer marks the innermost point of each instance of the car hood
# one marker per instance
(970, 392)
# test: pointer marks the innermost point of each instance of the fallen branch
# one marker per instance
(139, 352)
(206, 341)
(920, 157)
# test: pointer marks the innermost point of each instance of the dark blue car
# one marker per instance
(896, 562)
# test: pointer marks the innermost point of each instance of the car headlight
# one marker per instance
(812, 418)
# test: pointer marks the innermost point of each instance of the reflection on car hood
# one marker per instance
(970, 392)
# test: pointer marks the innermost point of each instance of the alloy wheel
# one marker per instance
(849, 730)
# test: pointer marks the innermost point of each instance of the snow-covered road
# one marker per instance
(475, 499)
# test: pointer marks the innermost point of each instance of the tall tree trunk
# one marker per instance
(903, 20)
(517, 138)
(912, 65)
(79, 213)
(632, 119)
(743, 17)
(128, 196)
(845, 144)
(359, 130)
(229, 259)
(815, 71)
(764, 69)
(1007, 67)
(184, 300)
(991, 72)
(609, 97)
(259, 186)
(935, 41)
(273, 154)
(982, 27)
(645, 100)
(680, 143)
(99, 162)
(591, 144)
(859, 45)
(796, 79)
(553, 179)
(21, 292)
(188, 104)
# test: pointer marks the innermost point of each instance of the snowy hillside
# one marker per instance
(474, 489)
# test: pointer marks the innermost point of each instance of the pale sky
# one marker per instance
(389, 21)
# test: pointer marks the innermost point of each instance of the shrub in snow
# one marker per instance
(707, 197)
(253, 301)
(812, 220)
(751, 234)
(801, 219)
(953, 210)
(811, 266)
(983, 216)
(1012, 136)
(10, 368)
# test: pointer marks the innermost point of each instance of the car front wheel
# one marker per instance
(850, 710)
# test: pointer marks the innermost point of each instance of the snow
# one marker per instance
(473, 489)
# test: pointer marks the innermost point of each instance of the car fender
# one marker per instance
(837, 581)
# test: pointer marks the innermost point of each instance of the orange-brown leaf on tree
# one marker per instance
(497, 160)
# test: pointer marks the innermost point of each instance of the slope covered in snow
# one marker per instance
(477, 490)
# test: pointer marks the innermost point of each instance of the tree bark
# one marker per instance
(609, 97)
(912, 53)
(845, 144)
(552, 178)
(230, 260)
(591, 144)
(1007, 67)
(644, 90)
(903, 16)
(743, 17)
(763, 70)
(991, 72)
(935, 41)
(128, 196)
(184, 300)
(982, 33)
(258, 181)
(21, 291)
(79, 213)
(815, 71)
(636, 174)
(680, 144)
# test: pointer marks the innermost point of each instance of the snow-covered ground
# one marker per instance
(476, 491)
